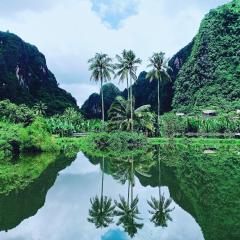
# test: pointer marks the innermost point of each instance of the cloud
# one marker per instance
(9, 8)
(69, 32)
(112, 12)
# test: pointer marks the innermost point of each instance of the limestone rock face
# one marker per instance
(25, 77)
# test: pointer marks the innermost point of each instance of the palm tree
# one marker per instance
(159, 72)
(127, 209)
(40, 108)
(128, 69)
(160, 211)
(122, 69)
(120, 116)
(101, 213)
(102, 210)
(160, 208)
(128, 214)
(101, 67)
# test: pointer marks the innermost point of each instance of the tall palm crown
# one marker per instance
(159, 72)
(101, 68)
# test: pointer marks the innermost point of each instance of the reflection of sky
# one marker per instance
(115, 234)
(64, 215)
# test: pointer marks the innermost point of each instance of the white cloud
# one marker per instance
(69, 32)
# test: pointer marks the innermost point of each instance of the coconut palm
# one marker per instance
(127, 210)
(101, 68)
(160, 209)
(122, 69)
(40, 108)
(159, 72)
(128, 215)
(120, 116)
(102, 210)
(128, 68)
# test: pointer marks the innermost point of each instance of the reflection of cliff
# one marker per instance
(17, 206)
(206, 186)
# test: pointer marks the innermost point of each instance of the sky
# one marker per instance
(69, 32)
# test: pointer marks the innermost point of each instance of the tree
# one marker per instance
(102, 211)
(101, 68)
(160, 208)
(127, 67)
(40, 108)
(159, 72)
(122, 69)
(127, 210)
(121, 117)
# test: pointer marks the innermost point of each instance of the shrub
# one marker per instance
(118, 141)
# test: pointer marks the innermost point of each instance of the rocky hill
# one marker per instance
(211, 74)
(25, 77)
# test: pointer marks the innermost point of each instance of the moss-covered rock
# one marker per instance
(210, 77)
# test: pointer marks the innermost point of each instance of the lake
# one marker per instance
(104, 198)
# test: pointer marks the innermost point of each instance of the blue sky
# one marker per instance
(69, 32)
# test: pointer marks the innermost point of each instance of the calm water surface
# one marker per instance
(60, 209)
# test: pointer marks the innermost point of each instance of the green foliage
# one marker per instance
(120, 117)
(67, 123)
(117, 141)
(171, 124)
(211, 74)
(16, 114)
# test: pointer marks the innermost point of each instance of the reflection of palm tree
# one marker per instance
(102, 211)
(160, 208)
(128, 214)
(128, 211)
(121, 168)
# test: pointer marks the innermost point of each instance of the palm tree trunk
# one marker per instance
(158, 100)
(132, 181)
(159, 174)
(128, 88)
(102, 183)
(128, 191)
(103, 115)
(131, 98)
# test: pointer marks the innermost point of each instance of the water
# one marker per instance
(58, 209)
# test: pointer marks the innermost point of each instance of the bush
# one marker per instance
(171, 124)
(16, 114)
(118, 141)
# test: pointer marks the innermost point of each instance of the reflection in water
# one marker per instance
(203, 186)
(101, 212)
(160, 208)
(127, 211)
(19, 205)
